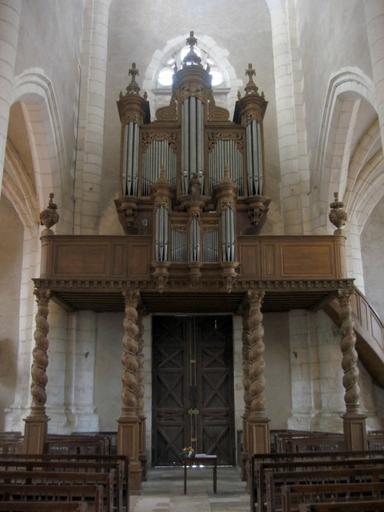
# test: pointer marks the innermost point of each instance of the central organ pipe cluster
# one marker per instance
(161, 233)
(192, 143)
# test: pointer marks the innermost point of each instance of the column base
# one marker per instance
(128, 443)
(35, 434)
(258, 438)
(355, 432)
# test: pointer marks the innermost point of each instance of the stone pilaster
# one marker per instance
(36, 423)
(258, 423)
(354, 421)
(128, 434)
(9, 33)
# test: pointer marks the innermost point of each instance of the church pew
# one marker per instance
(344, 506)
(120, 501)
(294, 495)
(71, 479)
(34, 495)
(281, 461)
(110, 435)
(276, 480)
(79, 444)
(121, 461)
(40, 506)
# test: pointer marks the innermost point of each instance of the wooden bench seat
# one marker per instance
(344, 506)
(41, 506)
(121, 460)
(120, 501)
(71, 479)
(85, 495)
(293, 496)
(276, 480)
(292, 461)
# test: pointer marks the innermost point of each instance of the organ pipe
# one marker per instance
(228, 234)
(192, 146)
(195, 239)
(254, 158)
(161, 233)
(130, 159)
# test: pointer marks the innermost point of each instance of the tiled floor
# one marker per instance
(163, 492)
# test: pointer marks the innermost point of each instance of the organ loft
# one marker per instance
(192, 202)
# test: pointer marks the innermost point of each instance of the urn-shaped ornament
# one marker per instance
(338, 216)
(49, 216)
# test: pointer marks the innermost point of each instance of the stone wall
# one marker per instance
(11, 245)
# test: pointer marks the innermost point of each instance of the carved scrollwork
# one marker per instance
(148, 137)
(129, 359)
(235, 135)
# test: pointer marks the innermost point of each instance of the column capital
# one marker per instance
(42, 295)
(131, 297)
(254, 296)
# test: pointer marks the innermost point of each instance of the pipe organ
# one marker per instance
(191, 178)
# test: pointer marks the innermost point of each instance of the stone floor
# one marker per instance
(163, 492)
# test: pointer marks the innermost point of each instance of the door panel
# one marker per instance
(192, 387)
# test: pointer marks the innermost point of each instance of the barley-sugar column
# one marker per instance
(128, 432)
(256, 421)
(354, 421)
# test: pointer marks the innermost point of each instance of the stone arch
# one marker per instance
(346, 90)
(35, 90)
(206, 43)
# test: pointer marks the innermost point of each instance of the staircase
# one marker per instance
(369, 330)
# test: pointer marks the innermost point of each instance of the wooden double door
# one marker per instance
(192, 387)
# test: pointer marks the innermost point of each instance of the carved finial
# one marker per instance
(145, 95)
(338, 216)
(49, 217)
(191, 57)
(238, 95)
(133, 87)
(251, 87)
(227, 175)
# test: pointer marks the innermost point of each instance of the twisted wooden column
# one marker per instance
(36, 423)
(128, 433)
(129, 359)
(258, 423)
(140, 396)
(354, 421)
(245, 352)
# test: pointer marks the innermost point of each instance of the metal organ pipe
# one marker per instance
(161, 233)
(254, 158)
(228, 234)
(192, 147)
(130, 158)
(195, 239)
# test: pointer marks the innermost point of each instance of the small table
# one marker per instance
(206, 460)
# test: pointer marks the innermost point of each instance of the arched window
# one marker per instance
(166, 71)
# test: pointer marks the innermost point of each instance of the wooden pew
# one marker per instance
(293, 496)
(47, 464)
(279, 462)
(276, 480)
(79, 461)
(55, 479)
(344, 506)
(41, 506)
(78, 445)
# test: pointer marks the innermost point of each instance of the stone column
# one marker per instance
(128, 433)
(9, 33)
(36, 423)
(354, 421)
(140, 397)
(374, 12)
(258, 423)
(245, 340)
(89, 160)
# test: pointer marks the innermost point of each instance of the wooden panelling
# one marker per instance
(268, 261)
(138, 261)
(377, 330)
(306, 260)
(249, 259)
(118, 261)
(82, 259)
